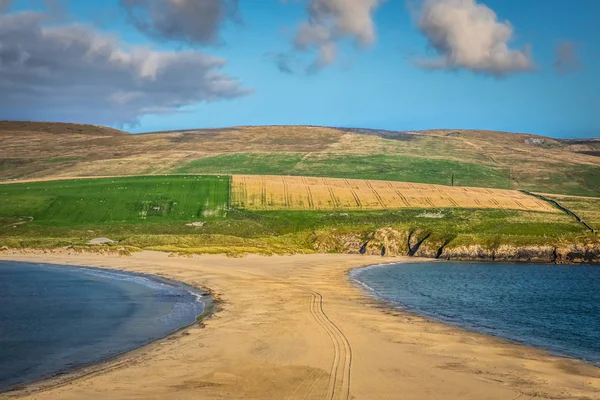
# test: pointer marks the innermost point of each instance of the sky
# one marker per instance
(148, 65)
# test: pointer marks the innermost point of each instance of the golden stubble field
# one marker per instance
(263, 192)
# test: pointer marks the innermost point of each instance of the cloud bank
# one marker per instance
(468, 35)
(190, 21)
(76, 73)
(332, 20)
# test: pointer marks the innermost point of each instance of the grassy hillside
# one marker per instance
(355, 166)
(475, 158)
(157, 209)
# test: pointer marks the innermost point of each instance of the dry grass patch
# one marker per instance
(307, 193)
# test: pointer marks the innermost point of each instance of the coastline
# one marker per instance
(114, 351)
(276, 339)
(473, 328)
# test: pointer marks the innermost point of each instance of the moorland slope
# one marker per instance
(470, 158)
(459, 194)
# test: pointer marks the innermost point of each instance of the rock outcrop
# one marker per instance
(421, 243)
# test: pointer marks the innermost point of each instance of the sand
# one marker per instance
(295, 327)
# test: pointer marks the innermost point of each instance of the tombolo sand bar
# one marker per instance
(296, 327)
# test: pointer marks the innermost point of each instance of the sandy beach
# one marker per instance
(296, 327)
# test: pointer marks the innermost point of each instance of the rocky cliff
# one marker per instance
(419, 243)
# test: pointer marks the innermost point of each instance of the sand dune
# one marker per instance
(296, 327)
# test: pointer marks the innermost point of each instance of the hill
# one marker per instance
(299, 189)
(467, 157)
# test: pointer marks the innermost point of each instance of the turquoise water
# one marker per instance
(56, 318)
(556, 308)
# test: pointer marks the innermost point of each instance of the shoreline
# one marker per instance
(102, 250)
(431, 317)
(201, 296)
(273, 341)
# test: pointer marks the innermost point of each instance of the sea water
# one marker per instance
(553, 307)
(56, 318)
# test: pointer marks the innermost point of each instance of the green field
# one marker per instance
(586, 208)
(88, 202)
(244, 163)
(373, 166)
(155, 212)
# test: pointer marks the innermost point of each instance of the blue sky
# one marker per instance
(380, 86)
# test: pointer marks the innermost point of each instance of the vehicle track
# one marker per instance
(356, 198)
(377, 195)
(340, 372)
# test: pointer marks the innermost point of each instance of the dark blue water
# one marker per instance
(556, 308)
(56, 318)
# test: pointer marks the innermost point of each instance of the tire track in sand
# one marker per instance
(340, 372)
(338, 387)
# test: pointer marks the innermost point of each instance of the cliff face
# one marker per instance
(416, 243)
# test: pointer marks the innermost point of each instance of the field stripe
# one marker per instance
(311, 203)
(399, 194)
(307, 193)
(334, 200)
(230, 184)
(264, 192)
(379, 198)
(356, 198)
(286, 192)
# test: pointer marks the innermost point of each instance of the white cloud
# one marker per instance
(76, 73)
(332, 20)
(190, 21)
(469, 35)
